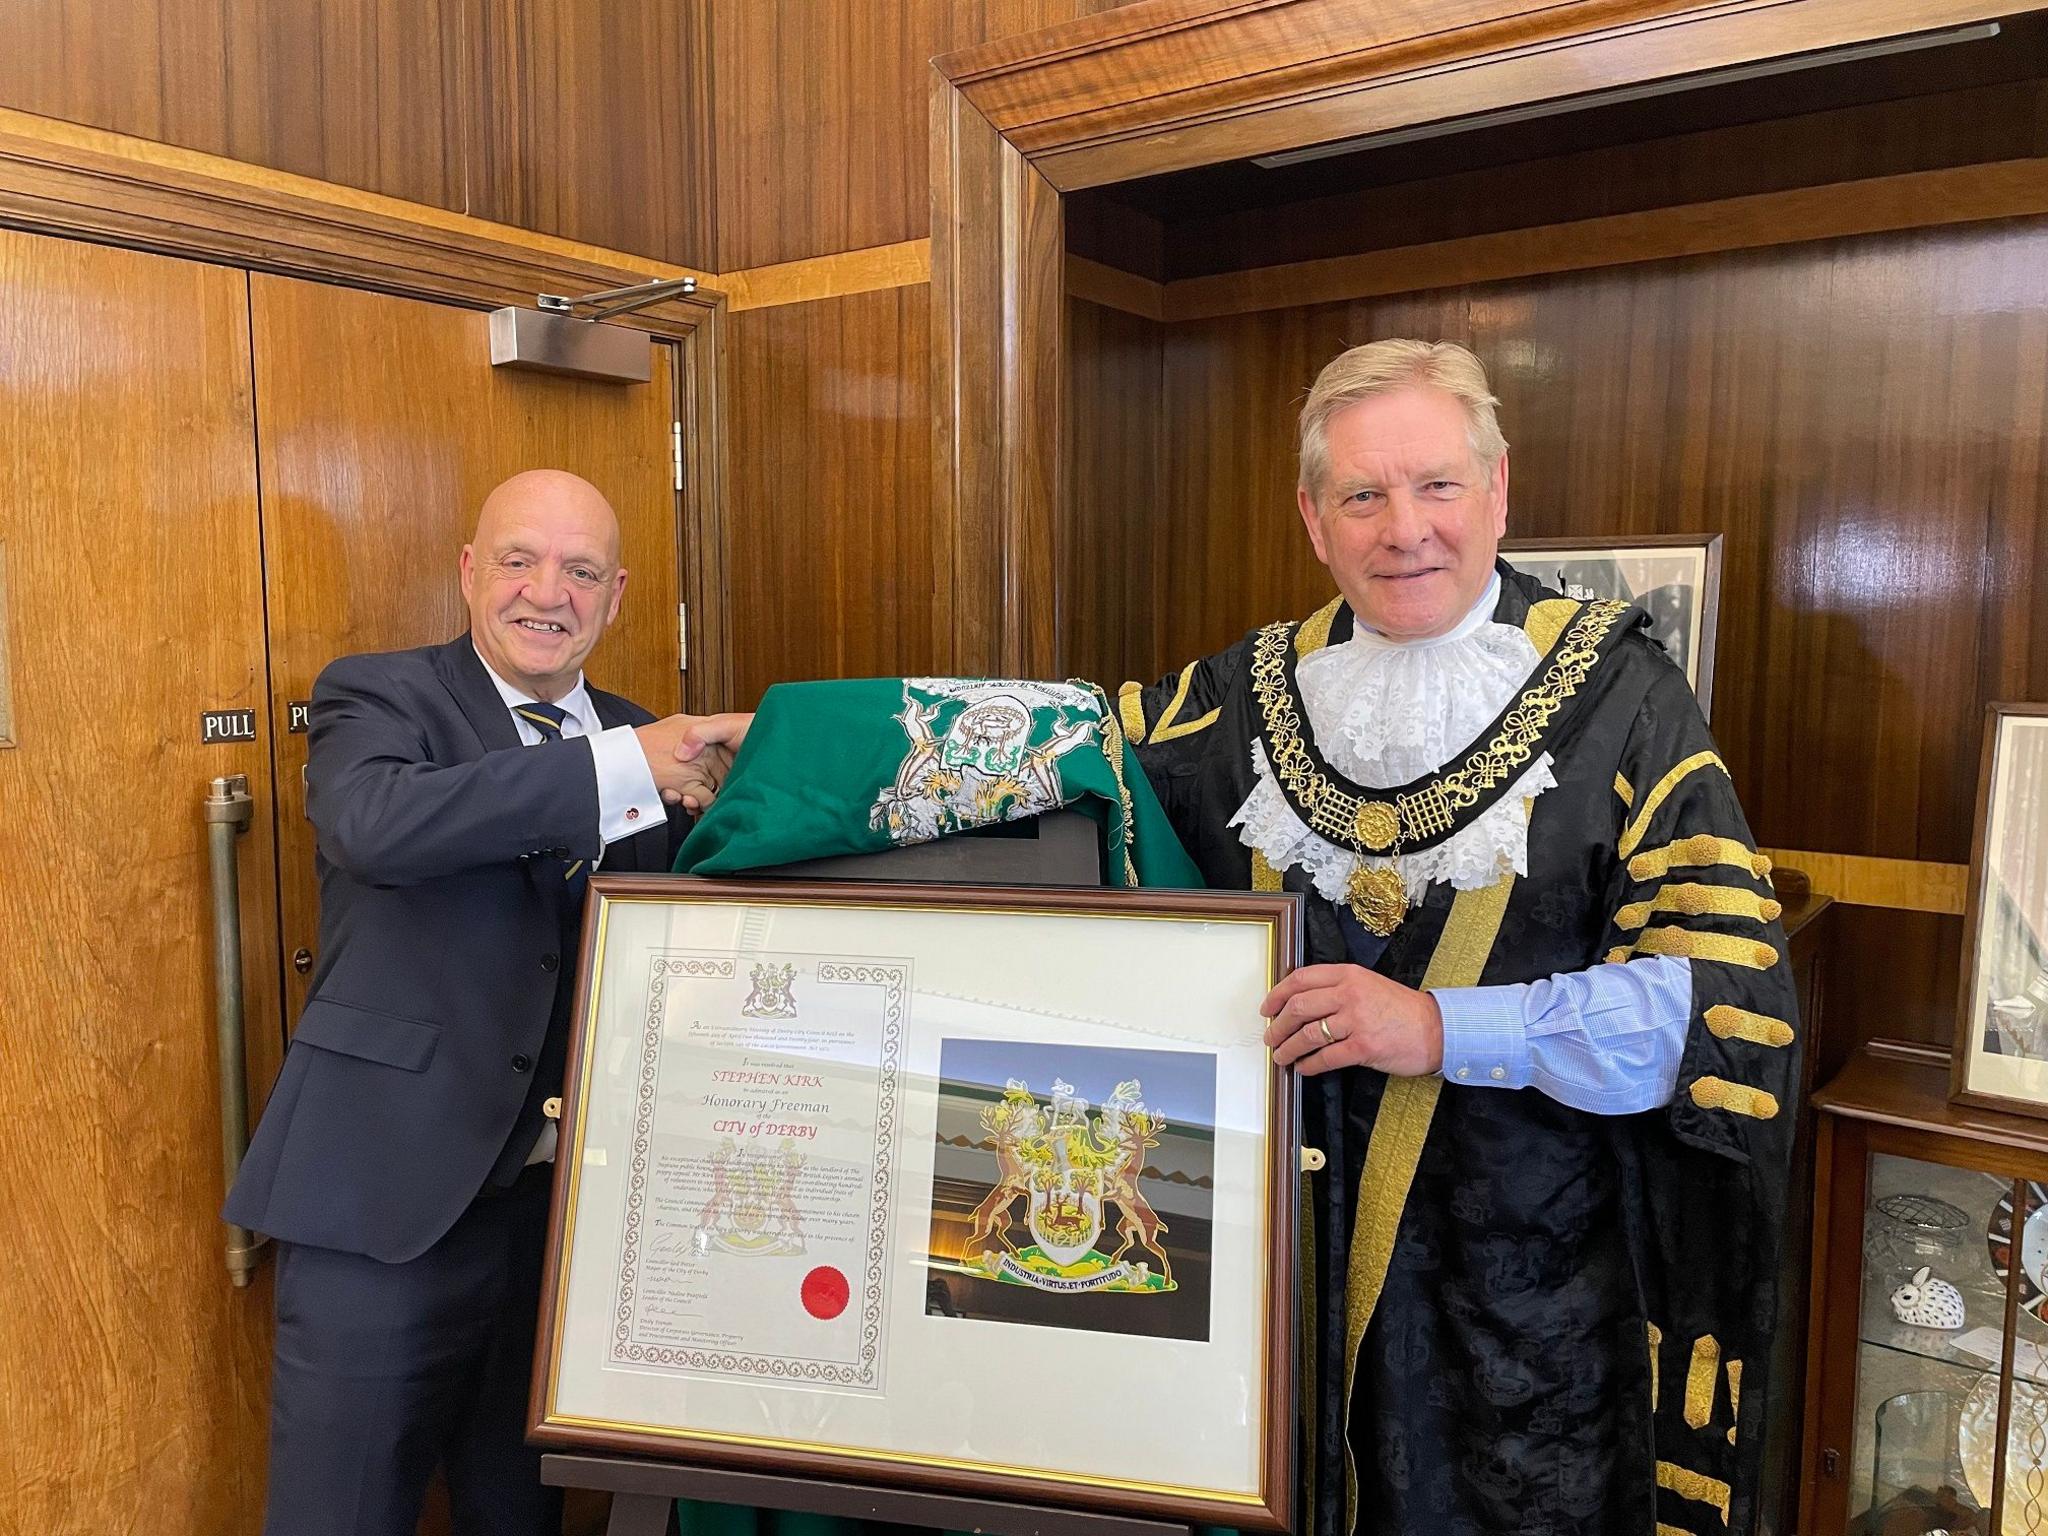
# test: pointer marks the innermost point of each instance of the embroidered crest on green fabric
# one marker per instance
(981, 751)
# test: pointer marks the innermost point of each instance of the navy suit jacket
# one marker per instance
(440, 949)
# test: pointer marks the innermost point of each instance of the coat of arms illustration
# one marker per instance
(771, 996)
(752, 1209)
(1070, 1172)
(980, 752)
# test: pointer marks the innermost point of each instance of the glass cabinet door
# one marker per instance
(1942, 1249)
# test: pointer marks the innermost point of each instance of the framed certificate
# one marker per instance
(981, 1190)
(1675, 577)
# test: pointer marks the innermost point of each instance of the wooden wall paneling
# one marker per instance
(1893, 977)
(594, 122)
(829, 277)
(133, 1375)
(1972, 126)
(1114, 528)
(821, 116)
(94, 185)
(828, 554)
(2015, 622)
(1912, 885)
(360, 92)
(382, 427)
(703, 390)
(1164, 87)
(1778, 104)
(1114, 288)
(1838, 418)
(1102, 227)
(999, 312)
(1911, 200)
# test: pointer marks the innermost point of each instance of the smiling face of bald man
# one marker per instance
(542, 579)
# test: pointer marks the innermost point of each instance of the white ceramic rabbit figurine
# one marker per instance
(1924, 1302)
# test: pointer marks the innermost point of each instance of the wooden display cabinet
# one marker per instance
(1921, 1426)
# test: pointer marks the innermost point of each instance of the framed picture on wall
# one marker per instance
(2001, 1056)
(1675, 577)
(976, 1190)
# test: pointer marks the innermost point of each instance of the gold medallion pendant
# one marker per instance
(1377, 824)
(1377, 898)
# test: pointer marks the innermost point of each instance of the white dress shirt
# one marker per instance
(627, 801)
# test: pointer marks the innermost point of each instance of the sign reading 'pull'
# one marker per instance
(225, 725)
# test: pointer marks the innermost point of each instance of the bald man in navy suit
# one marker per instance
(462, 794)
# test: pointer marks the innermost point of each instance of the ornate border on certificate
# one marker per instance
(864, 1371)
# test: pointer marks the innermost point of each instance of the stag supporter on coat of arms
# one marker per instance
(1067, 1172)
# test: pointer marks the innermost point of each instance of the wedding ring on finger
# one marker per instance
(1324, 1026)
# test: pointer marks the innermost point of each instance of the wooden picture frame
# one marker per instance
(1691, 561)
(782, 1096)
(2001, 1051)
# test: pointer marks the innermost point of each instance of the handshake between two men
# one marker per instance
(690, 755)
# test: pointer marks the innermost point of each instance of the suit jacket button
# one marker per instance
(521, 1063)
(549, 962)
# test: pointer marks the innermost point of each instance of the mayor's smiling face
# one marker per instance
(1408, 518)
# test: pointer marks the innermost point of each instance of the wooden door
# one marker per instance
(381, 426)
(133, 1375)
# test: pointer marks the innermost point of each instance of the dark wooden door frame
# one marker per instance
(1166, 85)
(84, 184)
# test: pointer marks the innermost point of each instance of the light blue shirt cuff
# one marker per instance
(1607, 1040)
(627, 801)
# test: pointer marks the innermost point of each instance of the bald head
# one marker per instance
(549, 493)
(542, 579)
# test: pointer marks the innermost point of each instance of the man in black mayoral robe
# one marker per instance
(1546, 1027)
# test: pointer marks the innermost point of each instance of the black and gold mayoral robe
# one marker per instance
(1524, 1317)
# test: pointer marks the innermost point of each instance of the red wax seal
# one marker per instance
(825, 1292)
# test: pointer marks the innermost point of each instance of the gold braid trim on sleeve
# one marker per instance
(1736, 1098)
(1688, 945)
(1625, 790)
(1700, 1379)
(1395, 1146)
(1656, 1344)
(1696, 1486)
(1734, 1396)
(1726, 1022)
(1698, 852)
(1130, 709)
(1633, 837)
(1692, 900)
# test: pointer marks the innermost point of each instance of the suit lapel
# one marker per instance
(462, 671)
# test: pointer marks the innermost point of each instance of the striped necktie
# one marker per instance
(547, 719)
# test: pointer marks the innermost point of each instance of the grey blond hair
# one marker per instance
(1381, 367)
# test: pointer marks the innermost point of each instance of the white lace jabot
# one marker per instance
(1384, 712)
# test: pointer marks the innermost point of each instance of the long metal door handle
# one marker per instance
(229, 811)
